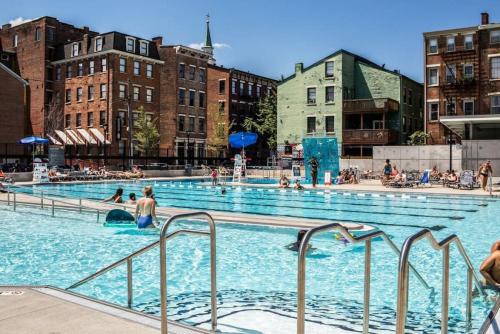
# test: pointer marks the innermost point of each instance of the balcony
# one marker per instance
(369, 137)
(371, 105)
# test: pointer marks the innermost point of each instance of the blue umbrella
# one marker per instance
(33, 140)
(242, 139)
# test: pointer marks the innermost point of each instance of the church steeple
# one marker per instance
(208, 47)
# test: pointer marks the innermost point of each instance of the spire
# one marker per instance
(208, 47)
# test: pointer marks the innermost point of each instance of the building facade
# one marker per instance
(462, 83)
(233, 96)
(351, 98)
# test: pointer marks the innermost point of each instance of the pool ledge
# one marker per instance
(491, 324)
(27, 309)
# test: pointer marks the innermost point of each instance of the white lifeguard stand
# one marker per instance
(239, 170)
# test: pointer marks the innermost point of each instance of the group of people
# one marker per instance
(284, 182)
(347, 176)
(390, 173)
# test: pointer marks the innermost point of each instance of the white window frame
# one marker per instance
(136, 93)
(448, 38)
(103, 91)
(250, 89)
(137, 67)
(472, 41)
(333, 69)
(149, 70)
(124, 65)
(469, 101)
(127, 39)
(141, 44)
(149, 95)
(98, 46)
(429, 46)
(328, 101)
(491, 68)
(194, 72)
(448, 103)
(430, 111)
(75, 50)
(91, 67)
(315, 95)
(104, 64)
(194, 98)
(79, 94)
(258, 90)
(495, 39)
(429, 84)
(452, 69)
(15, 40)
(491, 103)
(466, 65)
(234, 84)
(120, 91)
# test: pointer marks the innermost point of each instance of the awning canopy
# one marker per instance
(457, 123)
(99, 136)
(85, 135)
(53, 140)
(74, 137)
(64, 138)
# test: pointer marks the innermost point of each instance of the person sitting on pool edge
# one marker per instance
(490, 268)
(116, 198)
(145, 210)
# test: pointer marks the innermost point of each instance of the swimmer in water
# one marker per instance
(490, 268)
(294, 246)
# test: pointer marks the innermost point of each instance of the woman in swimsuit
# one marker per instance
(116, 198)
(484, 172)
(145, 211)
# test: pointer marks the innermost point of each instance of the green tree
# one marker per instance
(265, 122)
(419, 138)
(146, 133)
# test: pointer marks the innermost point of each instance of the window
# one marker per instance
(182, 96)
(79, 94)
(495, 104)
(495, 37)
(468, 107)
(258, 90)
(222, 86)
(433, 76)
(104, 64)
(149, 70)
(191, 98)
(450, 43)
(233, 87)
(137, 93)
(468, 71)
(311, 95)
(495, 67)
(329, 65)
(329, 94)
(38, 33)
(330, 124)
(90, 119)
(75, 50)
(130, 47)
(90, 93)
(451, 73)
(80, 69)
(98, 44)
(468, 42)
(202, 75)
(137, 68)
(222, 106)
(191, 124)
(69, 71)
(404, 125)
(410, 97)
(182, 71)
(433, 111)
(450, 108)
(58, 97)
(143, 48)
(51, 34)
(242, 87)
(122, 91)
(181, 122)
(149, 95)
(102, 118)
(15, 40)
(78, 120)
(433, 45)
(404, 95)
(67, 121)
(311, 124)
(201, 125)
(250, 89)
(201, 99)
(58, 73)
(123, 65)
(103, 91)
(191, 73)
(91, 67)
(68, 96)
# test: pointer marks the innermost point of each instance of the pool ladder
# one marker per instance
(162, 243)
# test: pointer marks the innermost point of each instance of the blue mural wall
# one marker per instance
(326, 151)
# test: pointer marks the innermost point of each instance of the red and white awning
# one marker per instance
(86, 136)
(74, 137)
(53, 140)
(66, 140)
(99, 136)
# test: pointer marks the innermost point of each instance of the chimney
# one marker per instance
(85, 44)
(485, 18)
(6, 26)
(299, 67)
(158, 41)
(85, 29)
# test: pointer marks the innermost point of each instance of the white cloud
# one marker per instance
(18, 21)
(216, 45)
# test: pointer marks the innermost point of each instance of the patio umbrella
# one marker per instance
(33, 140)
(242, 139)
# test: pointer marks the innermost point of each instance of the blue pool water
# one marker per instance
(255, 270)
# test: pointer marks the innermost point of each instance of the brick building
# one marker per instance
(96, 80)
(34, 44)
(233, 95)
(462, 82)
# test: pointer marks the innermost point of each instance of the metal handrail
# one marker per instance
(163, 266)
(403, 280)
(301, 275)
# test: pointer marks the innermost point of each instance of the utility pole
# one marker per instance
(450, 141)
(130, 125)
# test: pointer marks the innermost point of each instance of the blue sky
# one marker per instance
(269, 36)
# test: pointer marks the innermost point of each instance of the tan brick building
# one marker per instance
(462, 82)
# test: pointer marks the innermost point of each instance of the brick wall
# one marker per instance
(12, 109)
(214, 115)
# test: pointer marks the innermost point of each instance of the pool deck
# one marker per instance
(29, 310)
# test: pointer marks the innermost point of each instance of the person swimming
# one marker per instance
(145, 210)
(295, 246)
(117, 197)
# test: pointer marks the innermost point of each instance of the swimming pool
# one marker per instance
(255, 270)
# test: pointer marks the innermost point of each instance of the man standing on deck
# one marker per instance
(314, 170)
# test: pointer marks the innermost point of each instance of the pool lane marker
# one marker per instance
(361, 195)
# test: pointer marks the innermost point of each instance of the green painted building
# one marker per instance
(347, 96)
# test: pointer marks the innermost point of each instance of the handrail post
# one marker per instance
(14, 206)
(446, 287)
(41, 200)
(53, 213)
(98, 213)
(80, 204)
(129, 283)
(468, 310)
(8, 196)
(366, 297)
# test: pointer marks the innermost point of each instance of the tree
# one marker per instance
(419, 138)
(220, 128)
(265, 122)
(146, 133)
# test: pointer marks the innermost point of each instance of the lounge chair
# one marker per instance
(425, 178)
(466, 180)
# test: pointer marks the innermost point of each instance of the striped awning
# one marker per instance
(99, 136)
(64, 138)
(75, 137)
(85, 135)
(53, 140)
